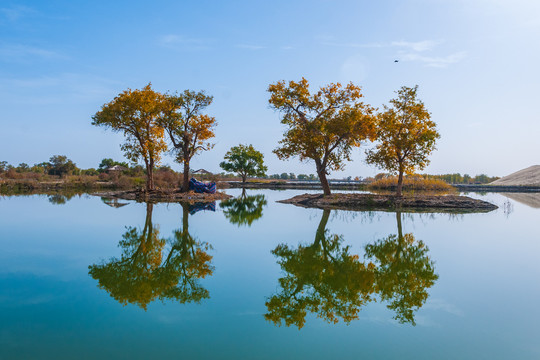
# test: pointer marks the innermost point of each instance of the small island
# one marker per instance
(170, 196)
(376, 202)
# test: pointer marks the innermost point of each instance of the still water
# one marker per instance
(84, 278)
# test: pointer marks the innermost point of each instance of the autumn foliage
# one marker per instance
(406, 136)
(189, 129)
(323, 126)
(136, 114)
(145, 116)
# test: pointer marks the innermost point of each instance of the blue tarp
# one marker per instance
(200, 187)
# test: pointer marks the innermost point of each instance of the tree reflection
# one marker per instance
(322, 278)
(244, 210)
(404, 272)
(325, 279)
(143, 274)
(61, 198)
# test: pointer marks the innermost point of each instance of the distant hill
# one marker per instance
(526, 177)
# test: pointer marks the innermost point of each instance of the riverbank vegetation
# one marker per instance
(322, 126)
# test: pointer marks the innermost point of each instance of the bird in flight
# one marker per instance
(396, 60)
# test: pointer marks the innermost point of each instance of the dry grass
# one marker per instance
(411, 184)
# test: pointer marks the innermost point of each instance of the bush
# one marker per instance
(165, 178)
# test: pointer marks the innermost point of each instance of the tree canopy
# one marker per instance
(108, 162)
(324, 126)
(188, 128)
(245, 161)
(137, 114)
(60, 165)
(406, 136)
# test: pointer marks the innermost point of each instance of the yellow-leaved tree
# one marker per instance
(188, 128)
(137, 114)
(406, 136)
(324, 126)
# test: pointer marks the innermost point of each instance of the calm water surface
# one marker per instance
(81, 278)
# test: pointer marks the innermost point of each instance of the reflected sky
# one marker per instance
(478, 300)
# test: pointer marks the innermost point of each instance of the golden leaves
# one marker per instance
(323, 126)
(406, 134)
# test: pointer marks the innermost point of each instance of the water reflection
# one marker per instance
(143, 274)
(323, 278)
(403, 272)
(61, 198)
(530, 199)
(113, 202)
(244, 210)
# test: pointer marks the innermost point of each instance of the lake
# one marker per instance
(85, 278)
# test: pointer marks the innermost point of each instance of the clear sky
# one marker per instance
(476, 63)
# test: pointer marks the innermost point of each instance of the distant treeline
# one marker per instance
(462, 179)
(60, 166)
(447, 178)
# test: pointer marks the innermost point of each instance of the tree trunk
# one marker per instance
(185, 182)
(399, 183)
(149, 176)
(321, 172)
(244, 178)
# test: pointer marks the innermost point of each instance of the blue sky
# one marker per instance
(476, 63)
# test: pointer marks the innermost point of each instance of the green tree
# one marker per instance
(107, 163)
(137, 114)
(324, 126)
(406, 136)
(188, 128)
(60, 165)
(22, 168)
(245, 161)
(3, 166)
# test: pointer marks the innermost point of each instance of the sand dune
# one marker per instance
(526, 177)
